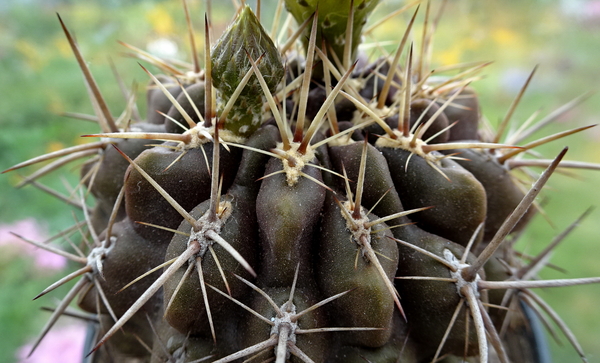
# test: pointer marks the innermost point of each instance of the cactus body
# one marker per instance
(278, 234)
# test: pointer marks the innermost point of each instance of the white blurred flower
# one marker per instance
(163, 48)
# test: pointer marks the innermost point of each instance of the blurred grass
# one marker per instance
(40, 80)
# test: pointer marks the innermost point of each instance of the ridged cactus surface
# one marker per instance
(293, 200)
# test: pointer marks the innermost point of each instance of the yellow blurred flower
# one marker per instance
(449, 56)
(54, 146)
(161, 21)
(504, 36)
(31, 54)
(61, 45)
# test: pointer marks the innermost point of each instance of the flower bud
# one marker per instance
(333, 20)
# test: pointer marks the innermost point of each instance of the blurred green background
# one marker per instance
(39, 80)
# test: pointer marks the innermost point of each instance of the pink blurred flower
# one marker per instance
(61, 345)
(32, 230)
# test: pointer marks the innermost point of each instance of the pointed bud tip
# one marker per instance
(230, 61)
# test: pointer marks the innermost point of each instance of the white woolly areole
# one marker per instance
(98, 254)
(360, 233)
(460, 281)
(193, 77)
(223, 213)
(285, 319)
(294, 161)
(407, 143)
(201, 135)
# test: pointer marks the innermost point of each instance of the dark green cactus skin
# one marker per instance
(397, 349)
(370, 303)
(187, 181)
(379, 184)
(287, 221)
(171, 344)
(123, 261)
(467, 112)
(195, 92)
(501, 190)
(158, 102)
(252, 164)
(496, 271)
(424, 109)
(428, 314)
(458, 200)
(187, 312)
(108, 179)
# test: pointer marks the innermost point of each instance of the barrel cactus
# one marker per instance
(294, 200)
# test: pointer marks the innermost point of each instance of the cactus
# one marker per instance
(304, 206)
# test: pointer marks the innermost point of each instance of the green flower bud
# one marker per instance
(230, 64)
(333, 20)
